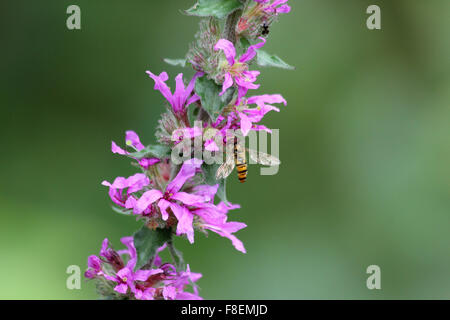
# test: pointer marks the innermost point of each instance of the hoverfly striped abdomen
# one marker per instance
(241, 162)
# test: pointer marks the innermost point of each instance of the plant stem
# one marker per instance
(174, 254)
(230, 24)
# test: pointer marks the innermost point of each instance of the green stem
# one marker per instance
(175, 254)
(230, 24)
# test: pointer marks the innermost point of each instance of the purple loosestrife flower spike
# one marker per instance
(162, 282)
(179, 199)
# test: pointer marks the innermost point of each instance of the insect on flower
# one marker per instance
(240, 161)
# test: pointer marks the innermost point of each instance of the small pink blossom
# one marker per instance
(162, 281)
(175, 199)
(186, 133)
(94, 267)
(121, 190)
(132, 140)
(214, 218)
(236, 71)
(182, 97)
(245, 118)
(275, 7)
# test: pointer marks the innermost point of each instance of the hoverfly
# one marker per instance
(239, 160)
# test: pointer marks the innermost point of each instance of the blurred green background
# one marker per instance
(364, 148)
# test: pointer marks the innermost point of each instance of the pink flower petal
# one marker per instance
(121, 288)
(211, 145)
(191, 84)
(228, 82)
(185, 218)
(228, 49)
(234, 240)
(246, 125)
(147, 199)
(132, 139)
(143, 275)
(137, 182)
(251, 51)
(206, 191)
(169, 293)
(160, 84)
(188, 199)
(163, 204)
(187, 171)
(266, 98)
(148, 162)
(94, 262)
(116, 149)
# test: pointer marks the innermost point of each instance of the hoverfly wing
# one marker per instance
(225, 169)
(264, 158)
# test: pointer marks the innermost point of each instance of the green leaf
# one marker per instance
(177, 256)
(245, 44)
(208, 91)
(222, 191)
(216, 8)
(210, 178)
(152, 151)
(147, 241)
(176, 62)
(264, 59)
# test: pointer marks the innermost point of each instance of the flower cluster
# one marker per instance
(117, 278)
(245, 118)
(181, 198)
(182, 202)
